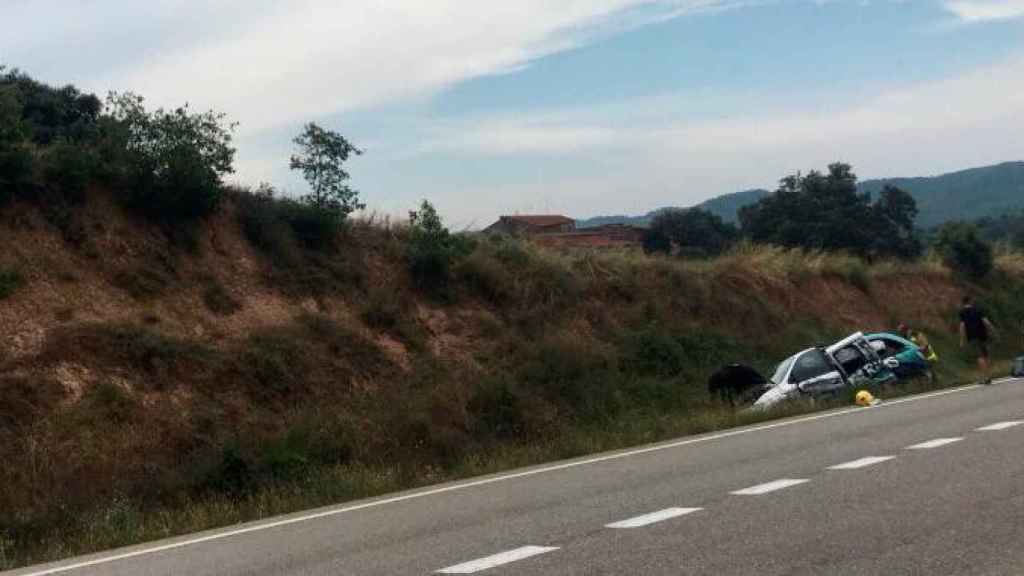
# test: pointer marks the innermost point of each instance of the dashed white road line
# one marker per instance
(145, 550)
(862, 463)
(1000, 426)
(770, 487)
(489, 562)
(937, 443)
(653, 518)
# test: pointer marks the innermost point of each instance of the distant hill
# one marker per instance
(728, 205)
(643, 220)
(964, 195)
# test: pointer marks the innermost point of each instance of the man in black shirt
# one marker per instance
(976, 329)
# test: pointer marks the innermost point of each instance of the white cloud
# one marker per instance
(270, 64)
(985, 10)
(950, 104)
(918, 129)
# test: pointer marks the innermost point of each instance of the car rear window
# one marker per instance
(810, 364)
(780, 372)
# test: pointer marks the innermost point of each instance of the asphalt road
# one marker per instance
(919, 490)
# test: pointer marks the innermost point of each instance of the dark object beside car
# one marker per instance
(736, 384)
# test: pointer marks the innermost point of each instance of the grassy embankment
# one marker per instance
(149, 390)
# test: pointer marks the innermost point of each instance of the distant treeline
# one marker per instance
(828, 212)
(813, 211)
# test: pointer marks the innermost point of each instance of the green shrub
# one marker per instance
(286, 457)
(301, 242)
(176, 159)
(432, 249)
(857, 275)
(547, 286)
(964, 251)
(163, 359)
(486, 276)
(498, 410)
(182, 191)
(25, 400)
(218, 300)
(278, 226)
(10, 281)
(142, 283)
(69, 167)
(49, 113)
(231, 475)
(654, 352)
(578, 374)
(16, 166)
(15, 158)
(344, 343)
(708, 349)
(386, 311)
(263, 221)
(273, 361)
(309, 442)
(110, 402)
(698, 233)
(314, 227)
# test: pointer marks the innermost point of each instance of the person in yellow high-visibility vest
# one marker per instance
(921, 341)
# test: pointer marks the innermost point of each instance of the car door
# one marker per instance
(814, 374)
(859, 361)
(900, 355)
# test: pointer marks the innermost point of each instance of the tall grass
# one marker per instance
(10, 281)
(541, 354)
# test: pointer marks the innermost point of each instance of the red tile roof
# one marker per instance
(542, 220)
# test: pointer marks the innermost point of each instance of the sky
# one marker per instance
(576, 107)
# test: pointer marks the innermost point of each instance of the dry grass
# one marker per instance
(117, 432)
(10, 281)
(1010, 263)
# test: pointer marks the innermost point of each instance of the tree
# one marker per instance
(895, 212)
(432, 248)
(826, 212)
(15, 159)
(12, 127)
(964, 251)
(656, 240)
(1008, 228)
(53, 113)
(321, 159)
(175, 160)
(693, 231)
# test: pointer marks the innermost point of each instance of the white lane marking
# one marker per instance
(862, 463)
(653, 518)
(1000, 426)
(267, 525)
(482, 564)
(937, 443)
(770, 487)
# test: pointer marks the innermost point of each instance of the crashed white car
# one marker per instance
(822, 372)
